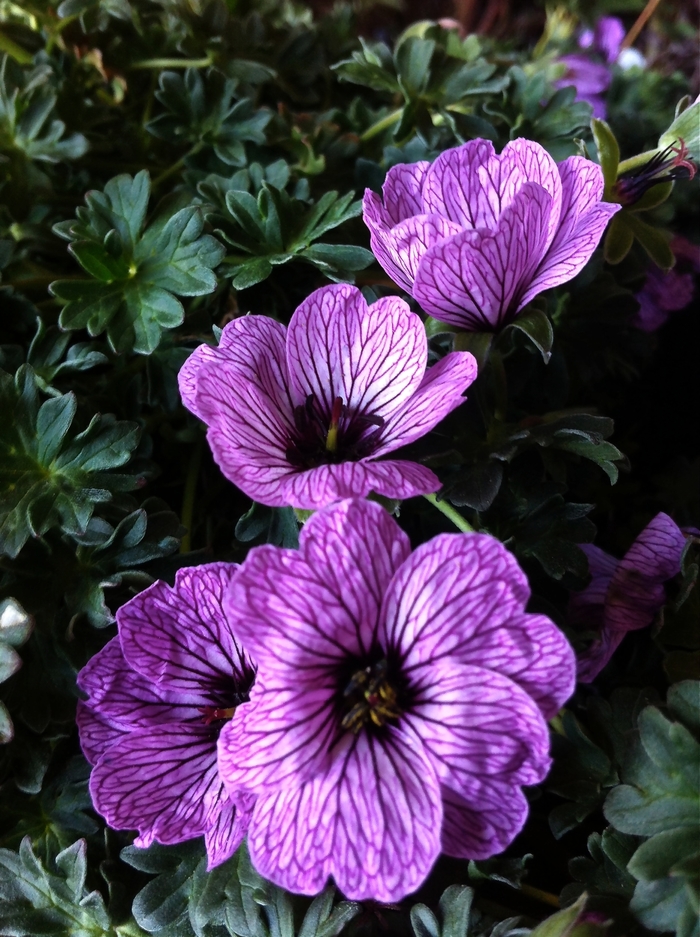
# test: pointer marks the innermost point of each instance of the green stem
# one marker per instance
(188, 497)
(381, 125)
(173, 63)
(15, 51)
(445, 508)
(176, 167)
(539, 895)
(500, 381)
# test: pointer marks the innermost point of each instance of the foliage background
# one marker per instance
(225, 146)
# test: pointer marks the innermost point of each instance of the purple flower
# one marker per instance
(664, 293)
(399, 706)
(590, 78)
(474, 236)
(299, 416)
(158, 695)
(625, 595)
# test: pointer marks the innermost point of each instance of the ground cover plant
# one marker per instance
(349, 516)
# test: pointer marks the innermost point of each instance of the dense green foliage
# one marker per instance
(204, 160)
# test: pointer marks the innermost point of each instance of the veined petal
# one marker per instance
(403, 190)
(129, 699)
(484, 822)
(440, 392)
(474, 280)
(581, 225)
(97, 733)
(373, 357)
(536, 165)
(179, 638)
(399, 251)
(282, 736)
(478, 723)
(372, 821)
(160, 781)
(255, 345)
(454, 187)
(318, 487)
(447, 591)
(373, 212)
(313, 606)
(245, 423)
(585, 609)
(636, 589)
(228, 824)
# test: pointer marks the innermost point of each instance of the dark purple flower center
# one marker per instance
(666, 166)
(226, 694)
(325, 439)
(369, 698)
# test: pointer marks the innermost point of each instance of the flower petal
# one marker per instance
(440, 392)
(399, 250)
(255, 344)
(161, 781)
(127, 698)
(372, 822)
(247, 426)
(97, 733)
(585, 609)
(454, 187)
(373, 357)
(478, 723)
(283, 735)
(321, 486)
(475, 279)
(483, 823)
(536, 165)
(179, 638)
(583, 220)
(448, 590)
(636, 590)
(402, 190)
(315, 605)
(228, 824)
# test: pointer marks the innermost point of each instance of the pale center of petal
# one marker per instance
(370, 698)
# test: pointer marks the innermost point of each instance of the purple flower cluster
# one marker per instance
(474, 236)
(353, 707)
(592, 78)
(398, 707)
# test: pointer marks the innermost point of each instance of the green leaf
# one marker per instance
(536, 325)
(654, 241)
(204, 110)
(49, 478)
(28, 121)
(657, 857)
(38, 899)
(618, 238)
(608, 151)
(268, 525)
(138, 274)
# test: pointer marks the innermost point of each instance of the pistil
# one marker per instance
(672, 163)
(332, 435)
(211, 714)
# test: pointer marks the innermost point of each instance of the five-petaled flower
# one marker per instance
(400, 702)
(475, 236)
(300, 416)
(625, 595)
(158, 695)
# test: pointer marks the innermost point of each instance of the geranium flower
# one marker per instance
(664, 293)
(158, 695)
(592, 78)
(400, 702)
(300, 416)
(625, 595)
(475, 236)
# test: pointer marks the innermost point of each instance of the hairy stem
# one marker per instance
(188, 497)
